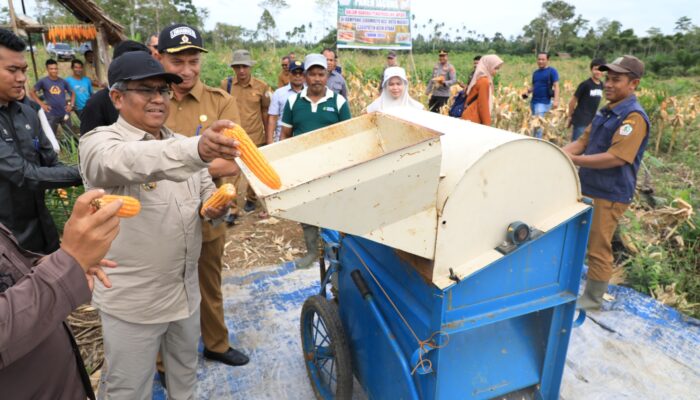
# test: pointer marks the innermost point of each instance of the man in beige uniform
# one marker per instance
(253, 98)
(194, 106)
(154, 301)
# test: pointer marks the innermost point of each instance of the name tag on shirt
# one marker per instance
(331, 109)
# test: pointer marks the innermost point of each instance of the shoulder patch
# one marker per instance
(626, 129)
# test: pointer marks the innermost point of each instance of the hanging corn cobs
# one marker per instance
(77, 33)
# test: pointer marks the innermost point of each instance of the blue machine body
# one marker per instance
(504, 329)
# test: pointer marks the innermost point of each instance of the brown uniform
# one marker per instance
(606, 213)
(253, 101)
(91, 72)
(184, 118)
(283, 78)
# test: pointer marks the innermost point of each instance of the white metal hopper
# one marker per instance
(437, 187)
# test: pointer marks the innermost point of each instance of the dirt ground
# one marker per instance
(254, 241)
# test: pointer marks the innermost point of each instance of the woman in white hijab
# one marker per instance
(479, 103)
(394, 92)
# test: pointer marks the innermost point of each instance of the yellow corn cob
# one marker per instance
(253, 158)
(130, 206)
(220, 198)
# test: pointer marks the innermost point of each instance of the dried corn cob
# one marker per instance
(221, 197)
(130, 206)
(253, 158)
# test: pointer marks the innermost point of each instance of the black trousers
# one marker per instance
(436, 102)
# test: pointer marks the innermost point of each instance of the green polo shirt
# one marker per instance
(303, 115)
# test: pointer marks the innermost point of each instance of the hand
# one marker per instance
(96, 271)
(555, 104)
(87, 236)
(217, 212)
(213, 144)
(46, 107)
(69, 108)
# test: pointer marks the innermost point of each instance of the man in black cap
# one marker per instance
(444, 76)
(609, 153)
(195, 106)
(99, 110)
(154, 300)
(279, 99)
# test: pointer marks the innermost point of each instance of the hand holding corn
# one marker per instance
(213, 144)
(88, 234)
(217, 205)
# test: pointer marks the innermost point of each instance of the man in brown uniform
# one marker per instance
(193, 107)
(253, 98)
(283, 77)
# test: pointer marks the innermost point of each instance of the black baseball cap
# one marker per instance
(625, 65)
(136, 66)
(179, 37)
(296, 65)
(391, 54)
(127, 46)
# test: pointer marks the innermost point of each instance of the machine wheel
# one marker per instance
(326, 350)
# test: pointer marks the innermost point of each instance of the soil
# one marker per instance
(255, 241)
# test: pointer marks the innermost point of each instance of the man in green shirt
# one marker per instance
(313, 108)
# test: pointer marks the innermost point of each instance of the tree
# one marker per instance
(266, 26)
(683, 25)
(226, 35)
(546, 29)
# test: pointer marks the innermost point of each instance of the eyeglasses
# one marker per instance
(285, 65)
(150, 92)
(297, 72)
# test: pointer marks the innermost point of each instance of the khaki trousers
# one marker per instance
(214, 330)
(606, 215)
(130, 355)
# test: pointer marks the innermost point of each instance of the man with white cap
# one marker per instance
(315, 107)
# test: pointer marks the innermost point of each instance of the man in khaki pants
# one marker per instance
(193, 107)
(153, 304)
(609, 153)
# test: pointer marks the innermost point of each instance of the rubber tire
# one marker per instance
(328, 313)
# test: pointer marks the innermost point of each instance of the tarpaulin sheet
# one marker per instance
(636, 348)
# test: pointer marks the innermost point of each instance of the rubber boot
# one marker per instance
(311, 237)
(592, 297)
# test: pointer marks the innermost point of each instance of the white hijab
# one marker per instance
(386, 101)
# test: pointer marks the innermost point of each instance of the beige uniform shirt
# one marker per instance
(157, 250)
(253, 100)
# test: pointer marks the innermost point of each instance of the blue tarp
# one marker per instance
(636, 348)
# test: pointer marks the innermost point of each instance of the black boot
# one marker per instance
(592, 297)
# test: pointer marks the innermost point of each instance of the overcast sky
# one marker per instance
(488, 17)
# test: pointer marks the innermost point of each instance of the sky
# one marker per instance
(487, 17)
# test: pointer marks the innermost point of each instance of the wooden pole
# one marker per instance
(31, 45)
(102, 52)
(13, 18)
(413, 64)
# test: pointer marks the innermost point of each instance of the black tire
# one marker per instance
(326, 350)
